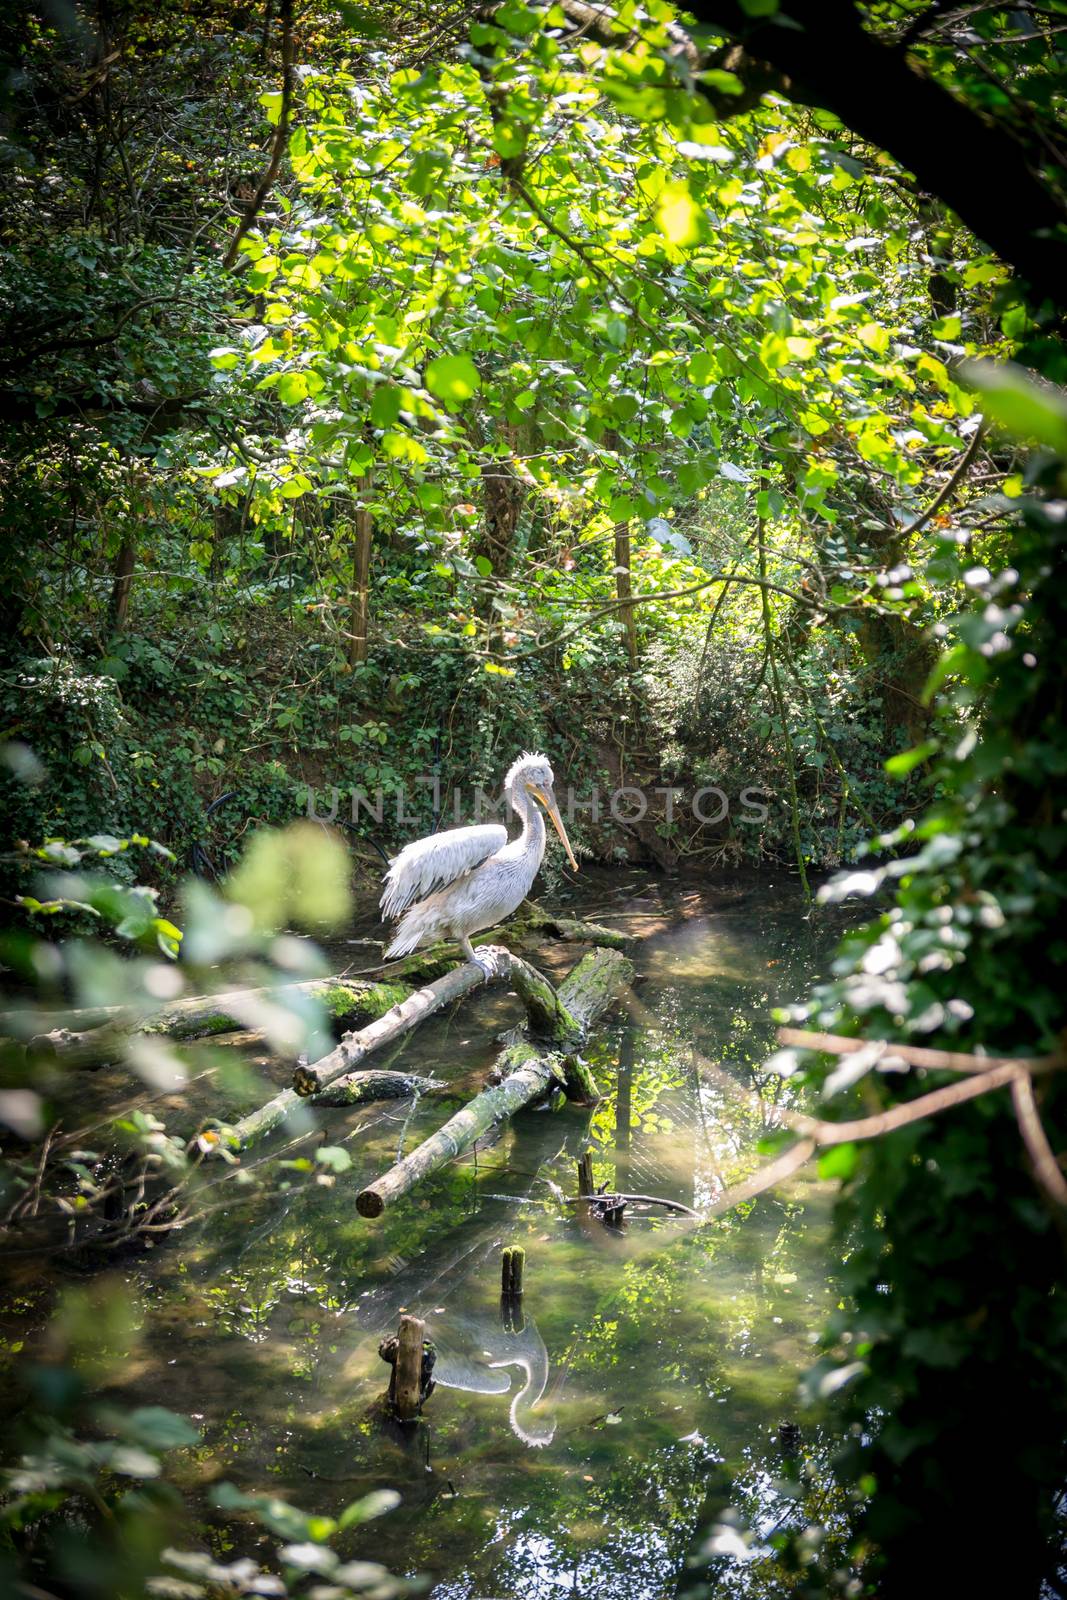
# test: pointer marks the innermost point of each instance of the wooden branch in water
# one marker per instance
(528, 1073)
(512, 1265)
(88, 1037)
(606, 1196)
(412, 1357)
(356, 1088)
(529, 1077)
(529, 919)
(571, 929)
(400, 1019)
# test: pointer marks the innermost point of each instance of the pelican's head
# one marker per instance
(533, 775)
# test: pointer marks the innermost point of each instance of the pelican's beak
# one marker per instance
(548, 800)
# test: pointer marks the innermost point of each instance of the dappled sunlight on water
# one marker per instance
(583, 1448)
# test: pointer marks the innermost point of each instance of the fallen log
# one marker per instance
(571, 929)
(529, 919)
(354, 1048)
(83, 1038)
(355, 1088)
(312, 1077)
(527, 1070)
(359, 1087)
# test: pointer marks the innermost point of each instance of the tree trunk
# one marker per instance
(529, 1073)
(358, 645)
(624, 589)
(624, 570)
(119, 602)
(503, 493)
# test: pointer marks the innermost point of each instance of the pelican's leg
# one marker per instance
(493, 959)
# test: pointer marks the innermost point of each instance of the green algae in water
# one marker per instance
(584, 1445)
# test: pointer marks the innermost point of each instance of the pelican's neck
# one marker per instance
(532, 838)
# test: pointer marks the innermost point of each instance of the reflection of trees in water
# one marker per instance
(677, 1347)
(782, 1507)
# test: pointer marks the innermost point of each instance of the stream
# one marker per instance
(650, 1382)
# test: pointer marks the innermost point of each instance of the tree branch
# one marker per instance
(828, 59)
(281, 137)
(836, 1044)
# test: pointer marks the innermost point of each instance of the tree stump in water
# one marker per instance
(585, 1174)
(512, 1263)
(412, 1357)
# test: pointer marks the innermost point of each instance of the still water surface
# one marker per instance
(653, 1380)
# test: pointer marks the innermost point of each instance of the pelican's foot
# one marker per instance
(494, 961)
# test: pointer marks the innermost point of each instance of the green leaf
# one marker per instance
(1022, 407)
(159, 1429)
(724, 82)
(679, 217)
(292, 388)
(334, 1157)
(453, 379)
(899, 766)
(372, 1505)
(271, 102)
(838, 1161)
(385, 405)
(295, 486)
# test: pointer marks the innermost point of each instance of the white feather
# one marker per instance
(438, 861)
(457, 883)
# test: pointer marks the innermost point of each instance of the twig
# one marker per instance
(281, 137)
(919, 1055)
(765, 1178)
(959, 472)
(1046, 1167)
(609, 1195)
(927, 1105)
(776, 684)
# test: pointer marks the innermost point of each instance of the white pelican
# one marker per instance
(456, 883)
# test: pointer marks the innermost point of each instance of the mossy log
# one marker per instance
(310, 1079)
(435, 960)
(528, 1071)
(359, 1087)
(85, 1038)
(547, 1015)
(574, 930)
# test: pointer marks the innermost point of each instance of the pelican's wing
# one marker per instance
(431, 863)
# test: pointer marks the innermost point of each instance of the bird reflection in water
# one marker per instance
(491, 1350)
